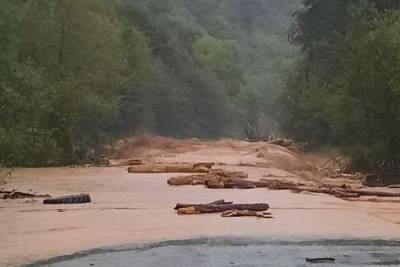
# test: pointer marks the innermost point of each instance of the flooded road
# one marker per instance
(138, 208)
(133, 208)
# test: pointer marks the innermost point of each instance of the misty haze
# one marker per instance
(199, 133)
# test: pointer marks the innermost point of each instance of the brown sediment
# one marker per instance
(130, 208)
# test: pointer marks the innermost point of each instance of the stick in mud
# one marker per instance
(247, 213)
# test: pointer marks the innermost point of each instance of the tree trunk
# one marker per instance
(169, 168)
(217, 202)
(213, 208)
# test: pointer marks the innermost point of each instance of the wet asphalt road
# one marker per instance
(237, 252)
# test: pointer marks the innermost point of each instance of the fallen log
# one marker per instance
(221, 201)
(214, 178)
(197, 179)
(341, 192)
(374, 199)
(170, 168)
(234, 183)
(213, 208)
(207, 165)
(230, 174)
(239, 184)
(17, 194)
(300, 189)
(217, 202)
(338, 192)
(242, 213)
(277, 184)
(128, 162)
(248, 184)
(373, 193)
(214, 183)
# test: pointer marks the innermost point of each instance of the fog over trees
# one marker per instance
(75, 75)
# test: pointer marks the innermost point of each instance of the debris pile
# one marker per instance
(236, 180)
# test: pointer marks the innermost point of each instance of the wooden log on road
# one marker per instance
(217, 202)
(215, 177)
(170, 168)
(196, 179)
(338, 192)
(362, 192)
(213, 208)
(230, 174)
(248, 184)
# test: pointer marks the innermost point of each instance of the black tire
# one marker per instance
(74, 199)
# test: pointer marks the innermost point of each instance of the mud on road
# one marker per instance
(137, 208)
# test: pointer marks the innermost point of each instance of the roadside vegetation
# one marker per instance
(75, 74)
(344, 89)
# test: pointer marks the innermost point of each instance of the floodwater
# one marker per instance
(138, 208)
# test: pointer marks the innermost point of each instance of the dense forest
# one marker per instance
(344, 89)
(77, 74)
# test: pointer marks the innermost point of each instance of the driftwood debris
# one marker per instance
(196, 179)
(341, 191)
(338, 192)
(362, 192)
(218, 206)
(243, 213)
(230, 174)
(17, 194)
(217, 202)
(345, 193)
(171, 168)
(128, 162)
(248, 184)
(207, 165)
(216, 176)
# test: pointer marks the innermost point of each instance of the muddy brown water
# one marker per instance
(138, 208)
(134, 208)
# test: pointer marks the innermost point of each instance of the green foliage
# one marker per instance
(345, 88)
(219, 59)
(74, 74)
